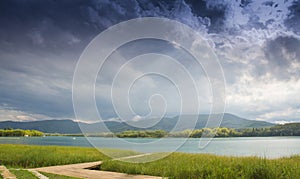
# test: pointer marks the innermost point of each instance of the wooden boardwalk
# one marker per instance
(6, 173)
(82, 170)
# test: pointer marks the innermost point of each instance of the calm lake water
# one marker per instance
(271, 147)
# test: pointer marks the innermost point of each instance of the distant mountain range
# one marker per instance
(70, 127)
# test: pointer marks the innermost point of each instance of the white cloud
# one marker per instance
(279, 116)
(265, 97)
(17, 115)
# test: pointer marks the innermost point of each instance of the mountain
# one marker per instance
(65, 126)
(71, 127)
(229, 121)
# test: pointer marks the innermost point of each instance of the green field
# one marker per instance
(26, 156)
(29, 156)
(181, 165)
(176, 165)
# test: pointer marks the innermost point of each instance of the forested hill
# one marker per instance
(167, 124)
(292, 129)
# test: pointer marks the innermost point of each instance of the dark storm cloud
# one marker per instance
(214, 12)
(36, 84)
(282, 47)
(69, 25)
(41, 41)
(47, 25)
(282, 52)
(56, 26)
(293, 22)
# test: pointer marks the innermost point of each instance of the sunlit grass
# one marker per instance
(28, 156)
(181, 165)
(176, 165)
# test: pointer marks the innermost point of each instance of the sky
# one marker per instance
(257, 43)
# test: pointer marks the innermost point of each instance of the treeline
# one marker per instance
(206, 132)
(219, 132)
(224, 132)
(19, 133)
(148, 134)
(292, 129)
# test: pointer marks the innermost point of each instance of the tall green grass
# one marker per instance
(176, 165)
(38, 156)
(30, 156)
(180, 165)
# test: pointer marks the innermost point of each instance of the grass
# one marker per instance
(29, 156)
(176, 165)
(23, 174)
(54, 176)
(181, 165)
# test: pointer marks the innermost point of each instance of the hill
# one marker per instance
(70, 127)
(49, 126)
(167, 124)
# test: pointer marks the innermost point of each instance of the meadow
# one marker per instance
(175, 165)
(182, 165)
(30, 156)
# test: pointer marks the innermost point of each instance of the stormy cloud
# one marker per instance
(257, 43)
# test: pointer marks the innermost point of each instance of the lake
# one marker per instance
(270, 147)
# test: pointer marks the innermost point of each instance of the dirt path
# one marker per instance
(6, 174)
(81, 170)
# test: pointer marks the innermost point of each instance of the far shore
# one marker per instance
(291, 129)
